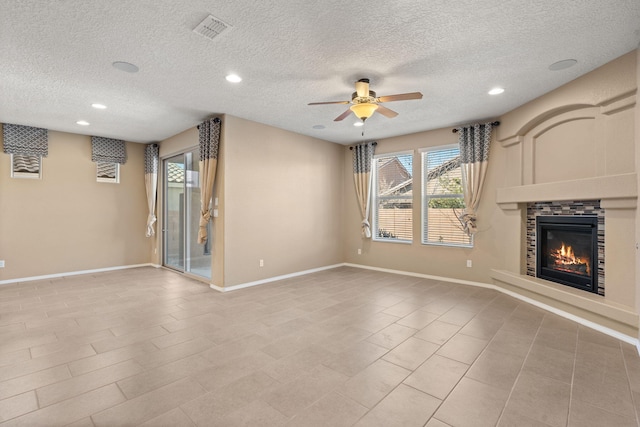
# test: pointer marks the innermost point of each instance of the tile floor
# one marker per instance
(341, 347)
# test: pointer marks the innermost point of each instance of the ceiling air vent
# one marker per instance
(211, 27)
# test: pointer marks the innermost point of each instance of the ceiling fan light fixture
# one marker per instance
(364, 110)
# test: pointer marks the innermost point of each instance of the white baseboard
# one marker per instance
(589, 324)
(74, 273)
(272, 279)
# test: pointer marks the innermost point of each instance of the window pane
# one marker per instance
(25, 166)
(442, 198)
(107, 172)
(393, 192)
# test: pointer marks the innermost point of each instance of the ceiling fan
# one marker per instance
(365, 102)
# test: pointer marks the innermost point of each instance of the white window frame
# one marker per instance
(27, 175)
(425, 200)
(374, 198)
(115, 180)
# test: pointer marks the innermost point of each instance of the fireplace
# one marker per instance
(567, 250)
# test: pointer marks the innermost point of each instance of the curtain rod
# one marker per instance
(373, 143)
(492, 124)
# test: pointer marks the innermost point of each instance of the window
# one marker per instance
(442, 199)
(393, 197)
(26, 166)
(108, 172)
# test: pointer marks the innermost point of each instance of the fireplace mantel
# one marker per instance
(614, 191)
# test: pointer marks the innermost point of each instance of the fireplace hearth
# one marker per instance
(567, 250)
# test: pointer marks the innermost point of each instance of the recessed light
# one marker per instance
(125, 66)
(82, 123)
(233, 78)
(318, 126)
(561, 65)
(358, 124)
(496, 91)
(99, 106)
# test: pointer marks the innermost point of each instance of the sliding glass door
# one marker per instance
(182, 216)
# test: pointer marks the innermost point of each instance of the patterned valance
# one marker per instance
(151, 155)
(25, 140)
(474, 142)
(108, 150)
(363, 156)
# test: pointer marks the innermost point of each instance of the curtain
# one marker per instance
(362, 160)
(474, 143)
(209, 137)
(151, 154)
(25, 140)
(108, 150)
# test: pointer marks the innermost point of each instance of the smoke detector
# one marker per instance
(211, 27)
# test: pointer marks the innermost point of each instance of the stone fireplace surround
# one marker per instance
(617, 193)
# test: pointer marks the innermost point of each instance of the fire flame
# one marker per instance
(566, 260)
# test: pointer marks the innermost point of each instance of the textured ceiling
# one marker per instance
(56, 56)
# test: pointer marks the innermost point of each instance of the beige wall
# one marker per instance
(283, 202)
(67, 221)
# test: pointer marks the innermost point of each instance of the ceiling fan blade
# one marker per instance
(330, 102)
(362, 87)
(342, 116)
(386, 112)
(400, 97)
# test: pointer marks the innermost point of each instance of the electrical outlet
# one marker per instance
(261, 263)
(359, 251)
(469, 263)
(1, 263)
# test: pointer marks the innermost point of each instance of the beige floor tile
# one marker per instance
(463, 348)
(541, 398)
(482, 328)
(292, 397)
(457, 316)
(149, 405)
(402, 309)
(297, 364)
(472, 404)
(204, 363)
(14, 357)
(128, 339)
(30, 382)
(97, 361)
(373, 383)
(436, 423)
(496, 369)
(411, 353)
(511, 418)
(418, 319)
(332, 410)
(223, 374)
(65, 389)
(391, 336)
(355, 358)
(437, 332)
(437, 376)
(173, 418)
(18, 405)
(257, 413)
(404, 406)
(144, 382)
(552, 363)
(510, 342)
(71, 410)
(582, 414)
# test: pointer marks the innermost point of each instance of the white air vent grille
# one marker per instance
(211, 27)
